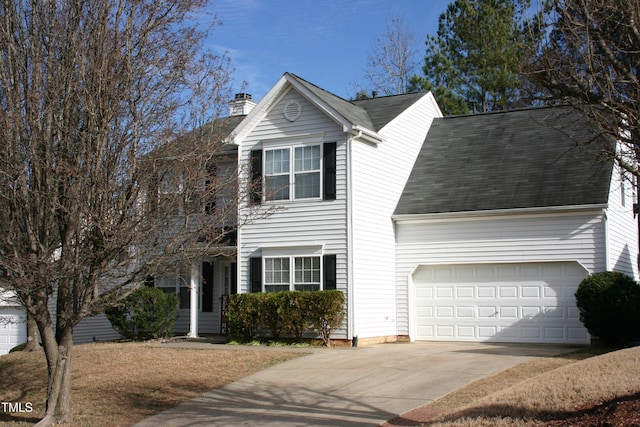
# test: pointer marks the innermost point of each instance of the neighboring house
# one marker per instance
(13, 330)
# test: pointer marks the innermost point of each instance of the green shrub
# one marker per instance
(19, 347)
(145, 314)
(294, 313)
(294, 318)
(243, 316)
(326, 312)
(270, 313)
(609, 304)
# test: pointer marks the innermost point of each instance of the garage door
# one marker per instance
(530, 302)
(13, 330)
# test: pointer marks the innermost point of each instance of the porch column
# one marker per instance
(193, 303)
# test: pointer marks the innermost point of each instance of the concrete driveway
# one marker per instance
(362, 386)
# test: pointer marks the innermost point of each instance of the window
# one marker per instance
(307, 172)
(283, 183)
(177, 282)
(276, 274)
(277, 174)
(307, 274)
(278, 277)
(294, 172)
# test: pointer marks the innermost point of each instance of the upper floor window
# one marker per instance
(294, 172)
(282, 182)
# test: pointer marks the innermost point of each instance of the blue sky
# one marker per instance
(322, 41)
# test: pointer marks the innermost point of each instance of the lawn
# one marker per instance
(571, 390)
(119, 384)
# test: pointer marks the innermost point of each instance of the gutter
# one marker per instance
(497, 212)
(364, 134)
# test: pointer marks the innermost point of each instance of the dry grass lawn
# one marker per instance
(119, 384)
(533, 393)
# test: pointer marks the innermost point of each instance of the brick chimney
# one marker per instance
(241, 105)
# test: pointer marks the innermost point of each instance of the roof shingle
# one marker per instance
(506, 160)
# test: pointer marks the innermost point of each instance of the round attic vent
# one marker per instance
(292, 110)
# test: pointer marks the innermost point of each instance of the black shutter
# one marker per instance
(234, 278)
(207, 287)
(255, 274)
(329, 178)
(329, 272)
(256, 177)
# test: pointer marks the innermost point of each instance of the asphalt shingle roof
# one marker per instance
(506, 160)
(373, 113)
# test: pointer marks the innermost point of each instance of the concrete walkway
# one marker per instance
(362, 386)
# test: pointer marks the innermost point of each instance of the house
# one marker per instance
(472, 228)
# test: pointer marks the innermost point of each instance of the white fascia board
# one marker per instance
(258, 112)
(489, 214)
(433, 101)
(354, 129)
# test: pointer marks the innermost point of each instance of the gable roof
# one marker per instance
(368, 116)
(507, 160)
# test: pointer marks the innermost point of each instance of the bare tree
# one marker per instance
(391, 61)
(590, 59)
(93, 197)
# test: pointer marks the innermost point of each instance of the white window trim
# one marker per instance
(292, 143)
(292, 257)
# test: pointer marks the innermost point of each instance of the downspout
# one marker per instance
(350, 287)
(605, 222)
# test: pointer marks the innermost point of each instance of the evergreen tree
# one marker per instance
(473, 62)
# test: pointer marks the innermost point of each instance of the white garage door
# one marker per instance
(13, 330)
(529, 302)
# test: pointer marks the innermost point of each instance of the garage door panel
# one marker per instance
(12, 328)
(527, 302)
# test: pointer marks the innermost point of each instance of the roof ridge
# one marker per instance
(514, 110)
(318, 87)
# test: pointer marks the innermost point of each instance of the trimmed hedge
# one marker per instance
(609, 304)
(292, 312)
(147, 313)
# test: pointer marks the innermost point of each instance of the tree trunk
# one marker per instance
(33, 343)
(58, 354)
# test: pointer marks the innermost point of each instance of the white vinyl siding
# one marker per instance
(574, 236)
(379, 174)
(622, 244)
(95, 328)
